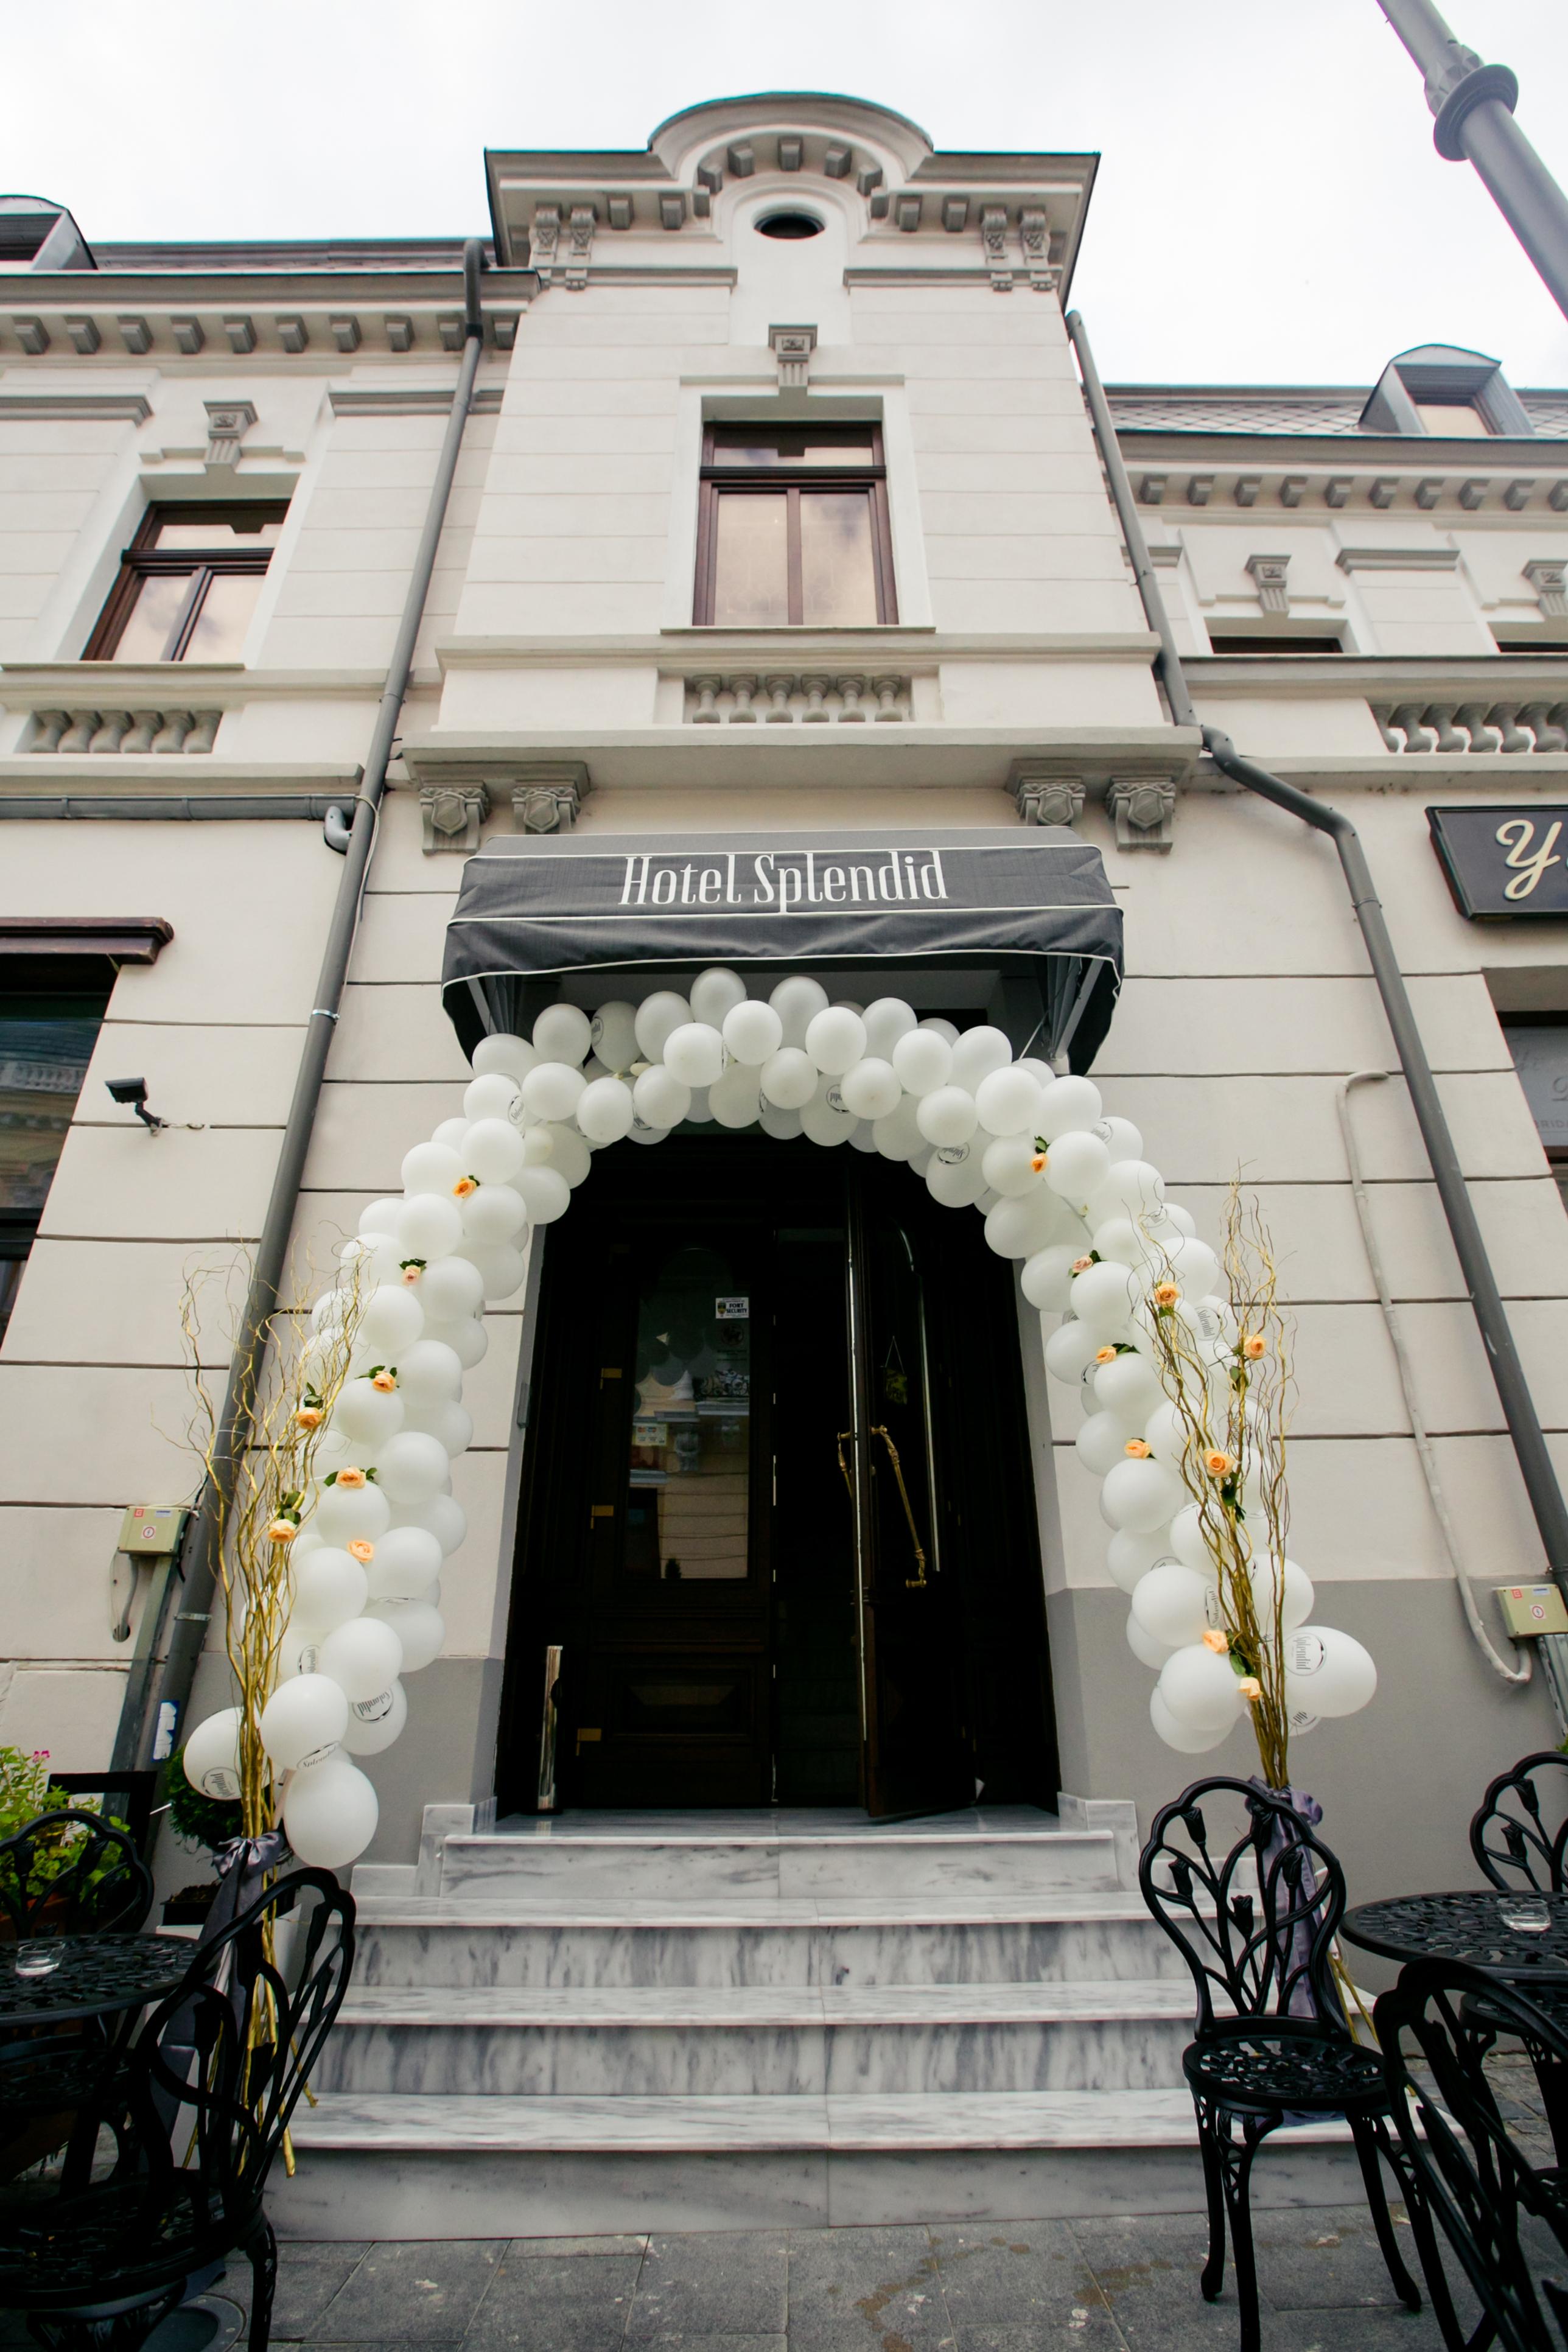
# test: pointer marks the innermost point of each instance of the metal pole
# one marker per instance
(1524, 1428)
(150, 1737)
(1474, 106)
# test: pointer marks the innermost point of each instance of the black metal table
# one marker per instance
(97, 1976)
(63, 2035)
(1469, 1927)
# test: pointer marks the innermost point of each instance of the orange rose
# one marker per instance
(281, 1531)
(1218, 1464)
(1137, 1449)
(361, 1550)
(310, 1416)
(1249, 1688)
(384, 1380)
(1037, 1164)
(1217, 1641)
(411, 1273)
(1105, 1355)
(1165, 1294)
(1081, 1265)
(464, 1186)
(351, 1477)
(1253, 1348)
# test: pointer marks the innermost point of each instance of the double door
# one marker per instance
(776, 1535)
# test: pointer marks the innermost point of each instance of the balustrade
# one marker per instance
(782, 698)
(123, 730)
(1473, 726)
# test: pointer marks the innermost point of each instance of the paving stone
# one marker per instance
(422, 2291)
(550, 2303)
(577, 2248)
(853, 2288)
(721, 2284)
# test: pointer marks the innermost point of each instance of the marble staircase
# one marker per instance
(612, 2022)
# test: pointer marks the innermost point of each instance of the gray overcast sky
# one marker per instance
(1269, 205)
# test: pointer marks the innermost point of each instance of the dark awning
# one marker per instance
(594, 916)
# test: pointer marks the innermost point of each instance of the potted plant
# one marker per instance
(204, 1822)
(26, 1793)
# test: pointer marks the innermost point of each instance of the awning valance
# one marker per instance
(594, 916)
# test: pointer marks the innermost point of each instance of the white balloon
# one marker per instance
(495, 1214)
(502, 1052)
(303, 1720)
(1136, 1494)
(345, 1514)
(870, 1087)
(366, 1414)
(736, 1100)
(1046, 1278)
(1120, 1138)
(1166, 1432)
(381, 1217)
(1009, 1163)
(361, 1657)
(419, 1626)
(1171, 1604)
(1298, 1597)
(797, 1001)
(329, 1587)
(451, 1424)
(1142, 1644)
(392, 1320)
(428, 1226)
(947, 1116)
(558, 1147)
(887, 1020)
(444, 1518)
(898, 1136)
(605, 1110)
(430, 1373)
(1129, 1557)
(431, 1168)
(751, 1032)
(450, 1291)
(1187, 1541)
(546, 1194)
(1131, 1386)
(835, 1040)
(1069, 1351)
(1075, 1165)
(371, 1258)
(656, 1016)
(782, 1125)
(1182, 1737)
(1194, 1266)
(1103, 1297)
(660, 1099)
(1327, 1673)
(375, 1723)
(956, 1177)
(614, 1036)
(923, 1061)
(1023, 1225)
(503, 1270)
(695, 1054)
(453, 1133)
(407, 1562)
(468, 1341)
(489, 1097)
(1010, 1102)
(562, 1032)
(825, 1119)
(329, 1814)
(976, 1054)
(1130, 1188)
(1070, 1106)
(1198, 1685)
(552, 1090)
(412, 1467)
(1182, 1219)
(789, 1077)
(715, 993)
(940, 1028)
(211, 1757)
(494, 1148)
(1103, 1443)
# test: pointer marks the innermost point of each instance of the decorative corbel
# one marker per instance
(994, 237)
(1036, 238)
(544, 237)
(1045, 798)
(1550, 582)
(1145, 809)
(547, 796)
(1269, 573)
(452, 815)
(792, 347)
(584, 221)
(228, 420)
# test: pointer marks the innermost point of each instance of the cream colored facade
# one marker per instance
(632, 300)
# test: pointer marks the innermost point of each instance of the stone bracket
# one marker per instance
(228, 420)
(792, 347)
(1269, 573)
(1043, 797)
(452, 815)
(548, 799)
(1550, 582)
(1144, 810)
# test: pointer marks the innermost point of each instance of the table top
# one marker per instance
(1466, 1925)
(97, 1975)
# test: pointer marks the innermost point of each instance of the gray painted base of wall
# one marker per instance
(1397, 1783)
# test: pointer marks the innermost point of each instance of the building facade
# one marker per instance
(778, 513)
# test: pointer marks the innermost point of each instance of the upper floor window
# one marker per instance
(188, 584)
(793, 528)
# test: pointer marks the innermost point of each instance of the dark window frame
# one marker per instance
(786, 478)
(144, 560)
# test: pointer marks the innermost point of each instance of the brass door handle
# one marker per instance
(916, 1583)
(844, 1467)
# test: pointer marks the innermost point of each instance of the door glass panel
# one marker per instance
(687, 1511)
(837, 568)
(153, 619)
(204, 534)
(751, 583)
(221, 624)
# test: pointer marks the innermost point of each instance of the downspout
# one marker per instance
(152, 1715)
(1524, 1428)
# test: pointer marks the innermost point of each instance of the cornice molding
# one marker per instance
(1398, 559)
(66, 407)
(1385, 678)
(420, 400)
(691, 650)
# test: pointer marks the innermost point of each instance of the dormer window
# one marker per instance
(793, 528)
(1452, 394)
(1456, 420)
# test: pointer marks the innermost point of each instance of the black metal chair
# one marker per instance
(1467, 2171)
(1256, 1923)
(1516, 1847)
(208, 2087)
(73, 1874)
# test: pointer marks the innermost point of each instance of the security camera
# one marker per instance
(134, 1092)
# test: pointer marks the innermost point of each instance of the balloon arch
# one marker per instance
(1064, 1188)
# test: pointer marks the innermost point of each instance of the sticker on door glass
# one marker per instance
(732, 1310)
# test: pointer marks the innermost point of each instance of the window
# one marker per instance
(1256, 643)
(188, 584)
(1539, 1044)
(1454, 419)
(793, 528)
(47, 1038)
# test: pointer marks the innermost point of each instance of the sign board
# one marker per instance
(153, 1528)
(1504, 864)
(1533, 1608)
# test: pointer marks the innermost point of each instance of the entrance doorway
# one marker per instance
(777, 1538)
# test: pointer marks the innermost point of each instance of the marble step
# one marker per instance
(772, 2041)
(384, 2164)
(1096, 1935)
(633, 1869)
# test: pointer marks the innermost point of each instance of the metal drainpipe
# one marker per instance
(1513, 1390)
(150, 1721)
